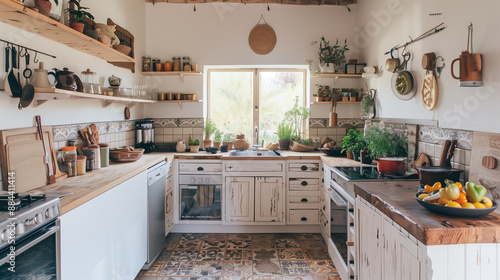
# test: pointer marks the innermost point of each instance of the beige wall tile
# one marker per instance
(177, 131)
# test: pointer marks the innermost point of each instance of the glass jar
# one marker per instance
(67, 156)
(104, 153)
(97, 155)
(177, 63)
(146, 64)
(186, 63)
(90, 164)
(81, 165)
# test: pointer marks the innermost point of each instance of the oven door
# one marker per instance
(35, 256)
(200, 202)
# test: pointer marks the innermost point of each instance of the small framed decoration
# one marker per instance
(354, 68)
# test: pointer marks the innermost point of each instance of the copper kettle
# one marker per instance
(67, 80)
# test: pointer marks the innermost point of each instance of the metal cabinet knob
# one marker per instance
(303, 219)
(304, 200)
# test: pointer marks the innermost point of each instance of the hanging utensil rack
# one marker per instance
(432, 31)
(28, 49)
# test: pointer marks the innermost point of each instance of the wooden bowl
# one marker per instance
(125, 156)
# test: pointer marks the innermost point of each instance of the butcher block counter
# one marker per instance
(90, 185)
(396, 200)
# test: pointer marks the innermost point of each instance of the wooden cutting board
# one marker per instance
(429, 91)
(26, 160)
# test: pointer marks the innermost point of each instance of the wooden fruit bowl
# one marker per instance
(124, 155)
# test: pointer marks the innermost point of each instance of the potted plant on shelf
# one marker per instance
(217, 138)
(297, 115)
(78, 22)
(326, 93)
(330, 57)
(210, 129)
(353, 143)
(284, 135)
(44, 6)
(353, 93)
(194, 145)
(228, 140)
(333, 108)
(319, 93)
(389, 148)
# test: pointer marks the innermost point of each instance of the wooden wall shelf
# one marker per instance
(16, 14)
(336, 76)
(181, 74)
(339, 102)
(180, 102)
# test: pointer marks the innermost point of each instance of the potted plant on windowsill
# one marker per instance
(389, 148)
(194, 145)
(330, 57)
(217, 138)
(284, 135)
(78, 22)
(44, 6)
(228, 140)
(296, 116)
(210, 129)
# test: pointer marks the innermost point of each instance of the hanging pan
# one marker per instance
(402, 83)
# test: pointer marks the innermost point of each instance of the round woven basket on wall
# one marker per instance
(262, 39)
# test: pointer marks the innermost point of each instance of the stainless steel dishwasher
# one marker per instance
(157, 178)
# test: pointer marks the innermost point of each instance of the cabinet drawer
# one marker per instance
(305, 217)
(303, 200)
(303, 167)
(303, 184)
(200, 167)
(254, 166)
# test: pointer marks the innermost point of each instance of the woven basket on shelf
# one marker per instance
(123, 49)
(294, 146)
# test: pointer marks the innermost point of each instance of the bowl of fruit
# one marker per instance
(456, 200)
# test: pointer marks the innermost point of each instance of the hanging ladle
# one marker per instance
(28, 92)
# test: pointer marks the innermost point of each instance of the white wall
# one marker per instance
(384, 24)
(217, 34)
(129, 14)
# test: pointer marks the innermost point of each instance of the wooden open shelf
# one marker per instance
(180, 102)
(336, 76)
(43, 95)
(172, 73)
(339, 102)
(16, 14)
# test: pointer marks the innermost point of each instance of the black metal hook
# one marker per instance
(35, 59)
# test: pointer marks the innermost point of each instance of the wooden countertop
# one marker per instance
(86, 187)
(395, 199)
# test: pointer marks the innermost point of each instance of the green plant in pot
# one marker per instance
(389, 148)
(353, 143)
(330, 57)
(228, 140)
(44, 6)
(217, 138)
(297, 116)
(194, 145)
(210, 128)
(284, 133)
(78, 13)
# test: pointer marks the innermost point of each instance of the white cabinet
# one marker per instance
(106, 237)
(400, 255)
(369, 242)
(169, 199)
(254, 199)
(303, 192)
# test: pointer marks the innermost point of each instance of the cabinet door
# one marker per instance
(269, 193)
(369, 242)
(324, 214)
(169, 211)
(400, 255)
(239, 199)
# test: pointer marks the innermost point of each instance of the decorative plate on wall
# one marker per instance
(262, 39)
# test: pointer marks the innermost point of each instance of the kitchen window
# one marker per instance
(253, 101)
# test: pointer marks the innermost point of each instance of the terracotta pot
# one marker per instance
(319, 99)
(240, 136)
(194, 149)
(229, 145)
(284, 144)
(392, 165)
(349, 154)
(78, 26)
(217, 144)
(241, 144)
(44, 7)
(207, 143)
(333, 119)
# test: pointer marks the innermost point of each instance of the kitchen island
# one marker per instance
(397, 238)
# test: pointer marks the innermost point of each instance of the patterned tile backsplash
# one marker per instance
(171, 130)
(318, 129)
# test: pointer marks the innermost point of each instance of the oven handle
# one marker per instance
(39, 239)
(195, 187)
(337, 197)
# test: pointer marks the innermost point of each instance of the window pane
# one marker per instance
(231, 100)
(278, 91)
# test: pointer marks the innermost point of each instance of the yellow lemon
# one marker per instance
(423, 195)
(468, 205)
(453, 204)
(486, 202)
(479, 205)
(443, 201)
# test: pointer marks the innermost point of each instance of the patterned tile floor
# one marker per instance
(242, 256)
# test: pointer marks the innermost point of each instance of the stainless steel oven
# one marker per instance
(200, 197)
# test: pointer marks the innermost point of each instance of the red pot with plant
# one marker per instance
(389, 148)
(44, 6)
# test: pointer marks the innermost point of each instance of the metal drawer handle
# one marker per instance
(303, 168)
(303, 219)
(304, 183)
(304, 200)
(200, 168)
(351, 210)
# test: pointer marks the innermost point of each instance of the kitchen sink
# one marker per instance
(254, 153)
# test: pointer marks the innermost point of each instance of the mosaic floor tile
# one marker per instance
(327, 277)
(285, 236)
(310, 236)
(215, 236)
(263, 243)
(322, 267)
(312, 244)
(317, 254)
(177, 268)
(239, 244)
(287, 243)
(192, 236)
(236, 278)
(237, 268)
(238, 255)
(264, 254)
(164, 256)
(294, 268)
(266, 267)
(210, 255)
(189, 244)
(298, 277)
(154, 270)
(205, 278)
(213, 244)
(207, 269)
(239, 236)
(267, 277)
(180, 255)
(291, 254)
(170, 245)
